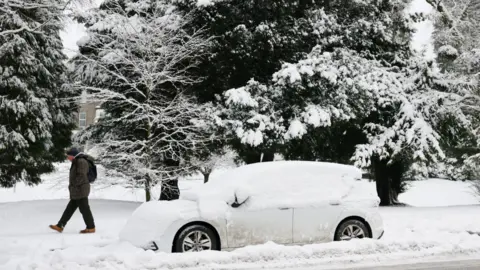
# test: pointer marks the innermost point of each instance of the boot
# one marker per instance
(87, 231)
(56, 228)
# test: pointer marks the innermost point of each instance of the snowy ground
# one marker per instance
(437, 192)
(412, 233)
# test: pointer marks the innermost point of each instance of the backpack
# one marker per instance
(92, 171)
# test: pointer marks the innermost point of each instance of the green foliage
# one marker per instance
(36, 118)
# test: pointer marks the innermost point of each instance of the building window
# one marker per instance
(82, 120)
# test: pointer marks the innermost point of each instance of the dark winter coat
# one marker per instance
(79, 186)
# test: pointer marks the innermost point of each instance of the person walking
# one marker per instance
(79, 188)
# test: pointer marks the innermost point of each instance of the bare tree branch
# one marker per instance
(138, 71)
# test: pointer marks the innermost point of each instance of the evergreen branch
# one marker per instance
(23, 28)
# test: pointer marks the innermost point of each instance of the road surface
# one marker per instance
(445, 265)
(464, 264)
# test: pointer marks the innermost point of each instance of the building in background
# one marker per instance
(88, 113)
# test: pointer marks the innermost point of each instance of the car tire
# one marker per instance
(352, 229)
(196, 238)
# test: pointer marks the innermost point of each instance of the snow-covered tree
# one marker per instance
(457, 39)
(136, 60)
(35, 118)
(363, 77)
(251, 39)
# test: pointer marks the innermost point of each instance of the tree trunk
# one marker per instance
(206, 177)
(256, 157)
(388, 180)
(382, 179)
(394, 197)
(148, 194)
(396, 172)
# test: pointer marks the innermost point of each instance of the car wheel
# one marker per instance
(196, 238)
(352, 229)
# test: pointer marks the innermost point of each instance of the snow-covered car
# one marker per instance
(286, 202)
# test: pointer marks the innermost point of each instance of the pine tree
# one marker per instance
(456, 40)
(251, 40)
(36, 121)
(361, 78)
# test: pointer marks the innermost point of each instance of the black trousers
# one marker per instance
(84, 209)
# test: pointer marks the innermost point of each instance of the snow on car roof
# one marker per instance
(281, 184)
(318, 167)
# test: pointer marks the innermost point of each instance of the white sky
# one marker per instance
(70, 35)
(421, 40)
(74, 31)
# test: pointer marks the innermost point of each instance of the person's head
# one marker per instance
(72, 153)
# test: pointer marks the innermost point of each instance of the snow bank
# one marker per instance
(124, 256)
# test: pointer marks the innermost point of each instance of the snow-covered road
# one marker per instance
(411, 234)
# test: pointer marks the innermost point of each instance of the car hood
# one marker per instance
(151, 219)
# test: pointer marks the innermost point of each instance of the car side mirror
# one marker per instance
(236, 203)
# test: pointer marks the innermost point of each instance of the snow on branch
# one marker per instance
(324, 87)
(137, 68)
(12, 9)
(409, 133)
(457, 23)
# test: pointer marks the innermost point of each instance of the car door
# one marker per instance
(315, 224)
(250, 227)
